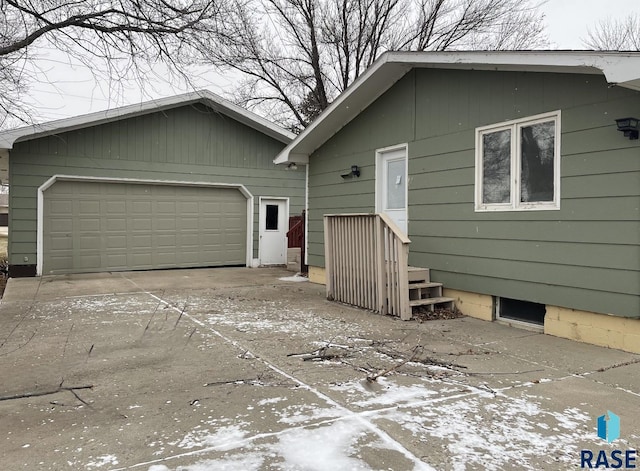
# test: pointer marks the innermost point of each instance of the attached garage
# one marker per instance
(92, 226)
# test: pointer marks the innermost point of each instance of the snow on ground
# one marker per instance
(475, 429)
(295, 278)
(461, 425)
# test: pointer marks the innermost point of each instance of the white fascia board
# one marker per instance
(350, 103)
(217, 103)
(619, 68)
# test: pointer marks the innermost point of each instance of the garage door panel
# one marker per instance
(115, 224)
(96, 226)
(87, 261)
(140, 241)
(168, 240)
(90, 242)
(164, 224)
(89, 224)
(61, 243)
(118, 260)
(112, 190)
(141, 207)
(118, 242)
(143, 260)
(61, 224)
(89, 208)
(116, 207)
(141, 224)
(188, 223)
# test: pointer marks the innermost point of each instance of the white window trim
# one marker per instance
(515, 204)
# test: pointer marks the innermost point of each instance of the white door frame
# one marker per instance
(261, 227)
(380, 180)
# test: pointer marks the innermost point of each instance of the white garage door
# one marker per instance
(98, 226)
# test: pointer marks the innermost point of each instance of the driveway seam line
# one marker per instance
(372, 427)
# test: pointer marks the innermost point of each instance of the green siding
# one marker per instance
(189, 143)
(584, 256)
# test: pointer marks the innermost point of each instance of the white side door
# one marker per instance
(391, 185)
(273, 231)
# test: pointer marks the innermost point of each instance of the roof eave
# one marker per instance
(363, 91)
(215, 102)
(619, 69)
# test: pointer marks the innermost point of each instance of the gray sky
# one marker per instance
(70, 90)
(567, 20)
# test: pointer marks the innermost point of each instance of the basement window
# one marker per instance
(522, 311)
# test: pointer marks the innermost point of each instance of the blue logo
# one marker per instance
(609, 426)
(609, 430)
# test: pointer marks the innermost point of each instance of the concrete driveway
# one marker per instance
(218, 369)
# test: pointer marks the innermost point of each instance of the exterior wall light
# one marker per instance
(292, 166)
(629, 126)
(355, 172)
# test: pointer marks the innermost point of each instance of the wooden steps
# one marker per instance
(424, 292)
(440, 301)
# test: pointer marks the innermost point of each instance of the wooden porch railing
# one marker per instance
(366, 260)
(295, 235)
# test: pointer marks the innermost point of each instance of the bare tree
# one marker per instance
(114, 38)
(615, 35)
(296, 56)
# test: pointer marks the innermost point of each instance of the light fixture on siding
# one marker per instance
(629, 126)
(355, 172)
(292, 166)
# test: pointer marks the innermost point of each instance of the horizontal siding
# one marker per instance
(586, 255)
(541, 253)
(191, 144)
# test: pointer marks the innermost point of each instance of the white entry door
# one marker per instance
(391, 181)
(273, 231)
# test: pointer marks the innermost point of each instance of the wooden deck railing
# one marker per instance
(295, 235)
(366, 260)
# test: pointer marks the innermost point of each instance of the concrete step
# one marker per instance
(439, 301)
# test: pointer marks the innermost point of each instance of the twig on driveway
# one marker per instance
(66, 341)
(257, 379)
(321, 353)
(373, 377)
(48, 392)
(153, 313)
(425, 361)
(180, 316)
(21, 346)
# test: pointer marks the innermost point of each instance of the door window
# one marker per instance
(271, 223)
(396, 184)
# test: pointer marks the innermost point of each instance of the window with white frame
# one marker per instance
(518, 164)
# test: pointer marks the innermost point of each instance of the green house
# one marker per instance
(185, 181)
(503, 173)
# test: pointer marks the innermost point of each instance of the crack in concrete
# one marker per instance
(394, 444)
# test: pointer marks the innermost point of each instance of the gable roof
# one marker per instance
(619, 68)
(213, 101)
